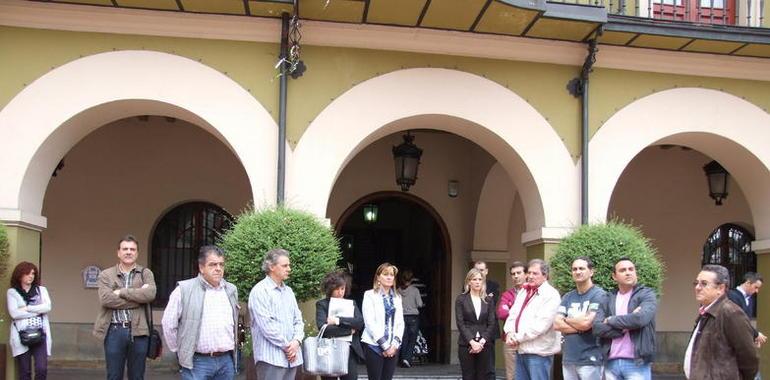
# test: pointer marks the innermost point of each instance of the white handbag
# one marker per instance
(325, 356)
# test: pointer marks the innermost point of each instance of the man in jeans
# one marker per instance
(124, 292)
(582, 359)
(626, 323)
(518, 272)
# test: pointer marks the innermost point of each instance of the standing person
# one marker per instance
(529, 327)
(200, 322)
(626, 323)
(124, 292)
(335, 285)
(277, 328)
(518, 272)
(744, 295)
(582, 358)
(722, 343)
(475, 317)
(28, 306)
(412, 301)
(383, 324)
(493, 290)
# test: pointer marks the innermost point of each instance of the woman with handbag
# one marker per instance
(476, 321)
(383, 324)
(28, 306)
(335, 286)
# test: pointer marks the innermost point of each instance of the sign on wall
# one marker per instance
(91, 276)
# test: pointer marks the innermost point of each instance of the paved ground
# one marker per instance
(419, 372)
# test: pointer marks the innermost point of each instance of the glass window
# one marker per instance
(730, 246)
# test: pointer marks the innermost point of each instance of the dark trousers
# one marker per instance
(491, 357)
(379, 367)
(411, 329)
(352, 369)
(121, 350)
(24, 361)
(474, 366)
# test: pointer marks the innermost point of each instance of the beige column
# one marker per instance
(762, 249)
(541, 250)
(24, 244)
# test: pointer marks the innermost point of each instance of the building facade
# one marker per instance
(163, 119)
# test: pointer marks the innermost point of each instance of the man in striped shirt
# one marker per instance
(277, 328)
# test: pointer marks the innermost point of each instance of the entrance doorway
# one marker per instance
(407, 232)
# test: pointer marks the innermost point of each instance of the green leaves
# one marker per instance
(605, 244)
(313, 247)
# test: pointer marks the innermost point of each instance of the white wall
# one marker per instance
(121, 179)
(665, 192)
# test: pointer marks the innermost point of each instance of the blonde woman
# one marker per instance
(475, 317)
(383, 324)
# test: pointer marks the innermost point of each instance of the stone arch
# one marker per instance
(47, 118)
(722, 126)
(478, 109)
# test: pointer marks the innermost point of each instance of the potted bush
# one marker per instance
(604, 244)
(4, 263)
(314, 252)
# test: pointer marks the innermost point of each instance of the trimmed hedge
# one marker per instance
(604, 244)
(314, 250)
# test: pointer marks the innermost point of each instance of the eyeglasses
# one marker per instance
(702, 284)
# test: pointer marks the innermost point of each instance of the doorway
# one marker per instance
(406, 231)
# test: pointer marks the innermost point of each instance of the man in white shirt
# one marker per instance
(201, 320)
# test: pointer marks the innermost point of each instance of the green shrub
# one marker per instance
(314, 251)
(604, 244)
(4, 250)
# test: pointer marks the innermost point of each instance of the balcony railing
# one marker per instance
(748, 13)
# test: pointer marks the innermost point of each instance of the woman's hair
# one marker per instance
(405, 278)
(333, 281)
(468, 277)
(383, 268)
(22, 269)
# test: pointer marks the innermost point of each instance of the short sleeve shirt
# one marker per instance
(581, 348)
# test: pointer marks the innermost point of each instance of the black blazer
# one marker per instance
(346, 325)
(737, 297)
(469, 325)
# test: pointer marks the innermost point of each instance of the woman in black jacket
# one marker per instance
(475, 317)
(335, 285)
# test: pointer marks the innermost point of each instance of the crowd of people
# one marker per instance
(601, 334)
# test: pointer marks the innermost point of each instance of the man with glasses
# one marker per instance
(626, 323)
(518, 272)
(722, 342)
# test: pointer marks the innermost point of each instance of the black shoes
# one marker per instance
(405, 364)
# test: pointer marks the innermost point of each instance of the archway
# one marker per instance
(410, 234)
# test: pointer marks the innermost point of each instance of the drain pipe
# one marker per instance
(578, 87)
(283, 84)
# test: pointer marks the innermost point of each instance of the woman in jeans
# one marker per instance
(335, 285)
(383, 324)
(412, 303)
(28, 305)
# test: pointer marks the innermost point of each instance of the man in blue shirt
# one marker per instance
(582, 353)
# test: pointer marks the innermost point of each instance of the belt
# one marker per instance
(125, 325)
(214, 354)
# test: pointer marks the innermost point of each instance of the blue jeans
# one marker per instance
(121, 350)
(533, 367)
(627, 369)
(210, 368)
(581, 372)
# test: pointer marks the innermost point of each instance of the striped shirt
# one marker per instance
(275, 322)
(216, 329)
(123, 315)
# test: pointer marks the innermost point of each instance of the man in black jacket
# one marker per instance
(493, 290)
(745, 296)
(626, 323)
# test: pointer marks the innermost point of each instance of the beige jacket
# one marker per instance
(134, 298)
(535, 333)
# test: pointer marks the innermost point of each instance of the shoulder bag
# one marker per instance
(325, 356)
(154, 343)
(31, 336)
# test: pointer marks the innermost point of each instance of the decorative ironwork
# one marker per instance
(730, 246)
(177, 239)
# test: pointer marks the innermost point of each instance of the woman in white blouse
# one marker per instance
(28, 305)
(475, 317)
(383, 324)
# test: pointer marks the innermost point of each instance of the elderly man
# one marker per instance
(722, 343)
(200, 322)
(518, 273)
(276, 322)
(626, 323)
(124, 291)
(582, 359)
(745, 296)
(529, 327)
